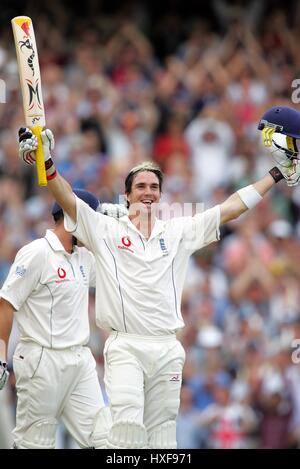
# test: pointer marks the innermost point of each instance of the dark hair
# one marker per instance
(145, 166)
(58, 216)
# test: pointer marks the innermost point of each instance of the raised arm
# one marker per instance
(58, 186)
(63, 194)
(251, 195)
(245, 198)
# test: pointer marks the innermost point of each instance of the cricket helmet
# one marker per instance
(283, 119)
(86, 196)
(280, 126)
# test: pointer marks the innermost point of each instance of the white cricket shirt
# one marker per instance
(49, 288)
(139, 282)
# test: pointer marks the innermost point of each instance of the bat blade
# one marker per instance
(30, 79)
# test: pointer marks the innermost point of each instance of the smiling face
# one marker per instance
(145, 193)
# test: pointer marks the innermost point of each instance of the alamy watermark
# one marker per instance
(296, 353)
(2, 91)
(188, 223)
(296, 92)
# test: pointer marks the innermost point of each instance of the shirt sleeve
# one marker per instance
(24, 275)
(202, 229)
(89, 225)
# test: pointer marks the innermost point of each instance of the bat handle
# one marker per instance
(40, 160)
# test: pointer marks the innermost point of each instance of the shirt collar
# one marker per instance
(54, 241)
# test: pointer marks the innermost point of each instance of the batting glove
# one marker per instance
(4, 374)
(291, 173)
(28, 144)
(113, 210)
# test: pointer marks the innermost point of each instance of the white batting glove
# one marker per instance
(291, 173)
(48, 143)
(4, 374)
(28, 144)
(113, 210)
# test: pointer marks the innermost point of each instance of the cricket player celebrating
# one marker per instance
(47, 290)
(141, 263)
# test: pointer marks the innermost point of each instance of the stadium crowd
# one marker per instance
(187, 93)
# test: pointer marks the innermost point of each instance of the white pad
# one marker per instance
(103, 423)
(127, 434)
(41, 435)
(164, 436)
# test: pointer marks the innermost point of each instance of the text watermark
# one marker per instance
(2, 91)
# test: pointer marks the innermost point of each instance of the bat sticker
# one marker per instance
(28, 45)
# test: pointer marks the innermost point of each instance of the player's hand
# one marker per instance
(291, 173)
(28, 144)
(113, 210)
(4, 374)
(48, 143)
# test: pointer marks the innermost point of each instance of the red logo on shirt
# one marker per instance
(126, 244)
(61, 272)
(126, 241)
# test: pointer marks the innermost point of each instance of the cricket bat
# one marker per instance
(30, 79)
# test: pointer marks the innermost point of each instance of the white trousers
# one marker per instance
(143, 377)
(56, 384)
(6, 417)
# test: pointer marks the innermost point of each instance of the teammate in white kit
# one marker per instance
(141, 263)
(47, 291)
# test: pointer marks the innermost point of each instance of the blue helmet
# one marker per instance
(86, 196)
(282, 119)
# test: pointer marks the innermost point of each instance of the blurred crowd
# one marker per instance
(187, 93)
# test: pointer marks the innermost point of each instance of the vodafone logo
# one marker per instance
(61, 273)
(126, 241)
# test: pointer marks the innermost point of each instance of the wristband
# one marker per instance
(51, 176)
(249, 196)
(48, 163)
(276, 174)
(50, 169)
